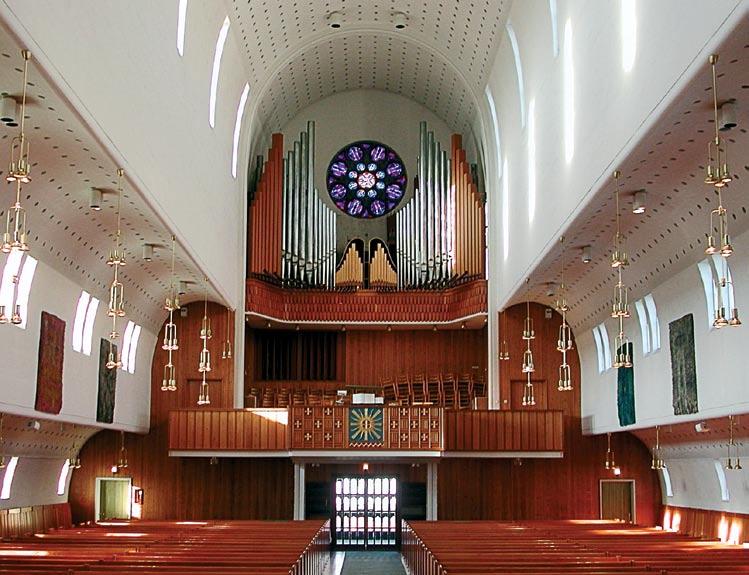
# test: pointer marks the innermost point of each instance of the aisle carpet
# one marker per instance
(374, 562)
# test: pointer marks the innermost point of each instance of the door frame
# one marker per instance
(97, 495)
(334, 544)
(633, 498)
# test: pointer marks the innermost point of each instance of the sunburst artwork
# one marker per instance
(365, 426)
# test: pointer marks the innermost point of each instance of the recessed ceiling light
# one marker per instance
(639, 201)
(400, 20)
(95, 199)
(335, 20)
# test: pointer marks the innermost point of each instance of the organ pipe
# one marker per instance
(351, 271)
(292, 237)
(440, 231)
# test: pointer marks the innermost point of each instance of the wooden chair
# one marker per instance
(479, 387)
(299, 397)
(449, 390)
(388, 391)
(314, 397)
(464, 390)
(403, 390)
(434, 389)
(269, 397)
(418, 388)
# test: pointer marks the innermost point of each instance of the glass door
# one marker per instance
(366, 513)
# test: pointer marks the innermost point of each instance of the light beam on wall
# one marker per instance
(220, 42)
(238, 129)
(629, 34)
(495, 125)
(554, 27)
(569, 94)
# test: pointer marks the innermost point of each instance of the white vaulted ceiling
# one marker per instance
(67, 161)
(441, 59)
(669, 164)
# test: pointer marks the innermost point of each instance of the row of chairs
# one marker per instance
(444, 389)
(187, 548)
(272, 396)
(561, 548)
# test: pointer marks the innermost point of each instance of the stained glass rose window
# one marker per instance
(366, 179)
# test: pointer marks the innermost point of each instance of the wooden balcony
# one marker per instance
(391, 431)
(456, 304)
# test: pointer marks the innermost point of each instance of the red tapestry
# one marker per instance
(49, 370)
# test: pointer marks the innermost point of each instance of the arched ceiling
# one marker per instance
(441, 59)
(67, 161)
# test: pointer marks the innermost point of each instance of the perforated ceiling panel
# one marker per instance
(440, 59)
(63, 232)
(669, 164)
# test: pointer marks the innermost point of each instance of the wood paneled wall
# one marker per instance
(374, 355)
(545, 488)
(185, 488)
(707, 523)
(21, 521)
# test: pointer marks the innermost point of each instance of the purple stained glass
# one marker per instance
(366, 179)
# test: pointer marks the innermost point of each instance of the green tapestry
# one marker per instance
(107, 384)
(625, 390)
(683, 366)
(365, 426)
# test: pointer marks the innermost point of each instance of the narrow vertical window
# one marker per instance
(505, 211)
(569, 94)
(88, 325)
(720, 472)
(62, 482)
(10, 277)
(629, 34)
(554, 27)
(495, 125)
(599, 350)
(655, 326)
(133, 349)
(642, 318)
(24, 289)
(220, 42)
(10, 471)
(606, 346)
(238, 129)
(667, 482)
(80, 317)
(708, 284)
(181, 20)
(531, 160)
(518, 70)
(126, 337)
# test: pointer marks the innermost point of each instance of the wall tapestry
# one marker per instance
(683, 367)
(107, 384)
(49, 368)
(625, 390)
(365, 427)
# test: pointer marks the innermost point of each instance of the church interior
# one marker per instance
(438, 287)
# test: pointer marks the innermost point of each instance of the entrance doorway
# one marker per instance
(112, 498)
(366, 512)
(618, 499)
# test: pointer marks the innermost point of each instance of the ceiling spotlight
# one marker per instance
(701, 427)
(726, 122)
(400, 20)
(9, 111)
(148, 252)
(639, 202)
(585, 254)
(550, 289)
(343, 328)
(390, 328)
(335, 20)
(182, 287)
(96, 199)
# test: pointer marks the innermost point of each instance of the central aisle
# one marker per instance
(374, 562)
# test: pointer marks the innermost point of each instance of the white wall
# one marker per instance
(346, 117)
(35, 483)
(117, 63)
(19, 349)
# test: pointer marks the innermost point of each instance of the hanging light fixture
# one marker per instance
(610, 464)
(504, 349)
(529, 334)
(122, 461)
(226, 352)
(657, 461)
(564, 341)
(718, 175)
(170, 344)
(732, 446)
(16, 236)
(116, 291)
(620, 308)
(204, 365)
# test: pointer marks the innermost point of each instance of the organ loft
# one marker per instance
(333, 288)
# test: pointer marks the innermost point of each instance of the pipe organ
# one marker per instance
(351, 271)
(293, 232)
(440, 233)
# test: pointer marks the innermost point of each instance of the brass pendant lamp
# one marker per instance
(171, 343)
(204, 365)
(529, 367)
(620, 307)
(564, 340)
(116, 260)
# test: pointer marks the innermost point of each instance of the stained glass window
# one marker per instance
(366, 179)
